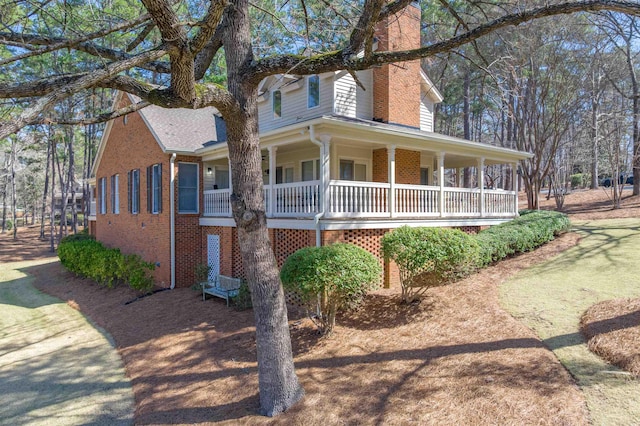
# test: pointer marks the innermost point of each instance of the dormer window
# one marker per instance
(277, 104)
(313, 91)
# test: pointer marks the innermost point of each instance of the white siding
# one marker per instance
(426, 114)
(345, 94)
(350, 99)
(364, 107)
(294, 105)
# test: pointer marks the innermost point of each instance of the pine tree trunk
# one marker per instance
(278, 383)
(13, 188)
(46, 188)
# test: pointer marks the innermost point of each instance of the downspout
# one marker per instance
(323, 148)
(172, 218)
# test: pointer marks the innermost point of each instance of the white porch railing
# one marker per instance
(461, 202)
(295, 199)
(420, 200)
(498, 202)
(216, 202)
(358, 199)
(348, 199)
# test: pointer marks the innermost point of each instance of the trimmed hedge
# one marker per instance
(429, 257)
(337, 276)
(88, 258)
(532, 229)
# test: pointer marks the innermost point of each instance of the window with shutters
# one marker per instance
(102, 187)
(154, 188)
(115, 194)
(134, 191)
(187, 188)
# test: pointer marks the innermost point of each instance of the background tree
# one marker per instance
(126, 45)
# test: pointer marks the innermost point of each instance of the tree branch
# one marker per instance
(101, 118)
(73, 42)
(31, 114)
(335, 61)
(174, 36)
(86, 47)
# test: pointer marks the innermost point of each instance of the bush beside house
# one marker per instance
(88, 258)
(338, 275)
(428, 257)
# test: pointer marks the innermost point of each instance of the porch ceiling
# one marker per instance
(344, 130)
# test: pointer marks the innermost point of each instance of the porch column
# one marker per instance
(441, 182)
(514, 186)
(325, 173)
(460, 175)
(481, 184)
(391, 161)
(230, 187)
(272, 179)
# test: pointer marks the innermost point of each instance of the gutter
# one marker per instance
(172, 218)
(323, 153)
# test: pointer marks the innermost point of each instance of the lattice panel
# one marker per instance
(238, 269)
(469, 229)
(368, 239)
(287, 241)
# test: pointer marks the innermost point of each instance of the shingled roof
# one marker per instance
(183, 130)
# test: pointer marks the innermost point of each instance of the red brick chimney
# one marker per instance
(396, 87)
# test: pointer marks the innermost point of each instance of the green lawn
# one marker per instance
(551, 297)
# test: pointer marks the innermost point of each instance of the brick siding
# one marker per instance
(396, 87)
(132, 146)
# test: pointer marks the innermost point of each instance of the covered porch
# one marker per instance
(337, 169)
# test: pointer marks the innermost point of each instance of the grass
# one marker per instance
(551, 297)
(55, 367)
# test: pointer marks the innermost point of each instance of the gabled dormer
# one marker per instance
(400, 94)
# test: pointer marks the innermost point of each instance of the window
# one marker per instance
(313, 91)
(277, 104)
(115, 195)
(154, 188)
(284, 174)
(187, 188)
(424, 176)
(310, 170)
(103, 195)
(134, 191)
(350, 170)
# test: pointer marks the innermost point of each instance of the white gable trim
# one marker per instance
(430, 88)
(105, 136)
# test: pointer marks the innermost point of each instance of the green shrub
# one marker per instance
(532, 229)
(88, 258)
(338, 276)
(428, 257)
(243, 300)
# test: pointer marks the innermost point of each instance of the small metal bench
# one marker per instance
(223, 287)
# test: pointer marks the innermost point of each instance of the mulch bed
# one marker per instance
(612, 330)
